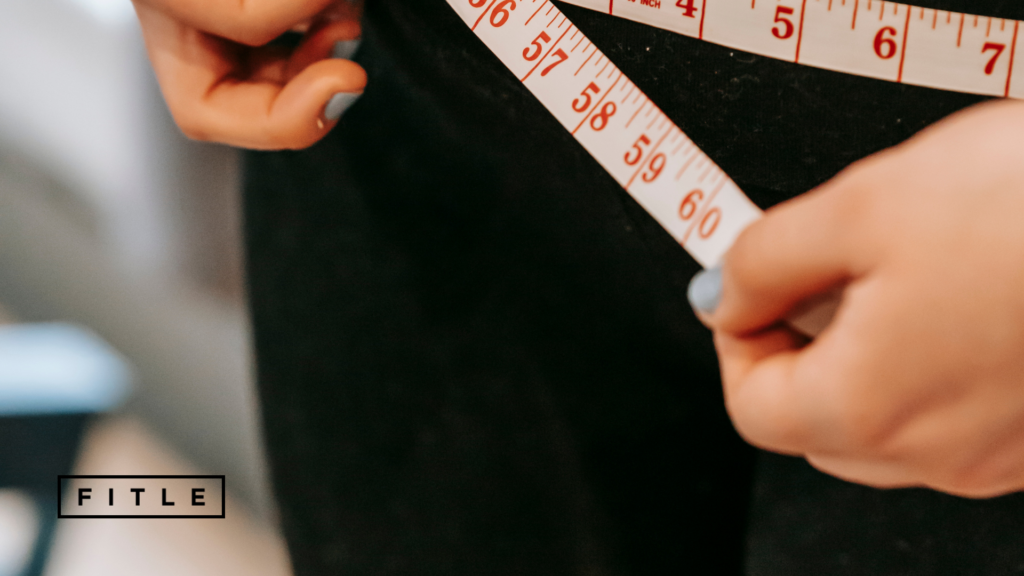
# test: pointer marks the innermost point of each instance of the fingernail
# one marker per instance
(705, 291)
(345, 49)
(338, 104)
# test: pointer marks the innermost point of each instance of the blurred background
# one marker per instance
(113, 224)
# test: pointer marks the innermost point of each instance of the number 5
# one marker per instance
(788, 31)
(638, 147)
(537, 45)
(582, 103)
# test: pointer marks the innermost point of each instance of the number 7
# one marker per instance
(999, 52)
(562, 57)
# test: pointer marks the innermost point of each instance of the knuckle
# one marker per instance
(863, 426)
(775, 434)
(964, 487)
(973, 481)
(280, 136)
(854, 195)
(743, 258)
(191, 126)
(253, 34)
(745, 425)
(258, 23)
(251, 27)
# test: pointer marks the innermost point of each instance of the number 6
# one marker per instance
(500, 15)
(885, 47)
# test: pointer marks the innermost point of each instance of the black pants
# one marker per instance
(475, 354)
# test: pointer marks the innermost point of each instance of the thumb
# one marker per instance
(797, 252)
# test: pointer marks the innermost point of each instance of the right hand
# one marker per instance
(919, 379)
(223, 83)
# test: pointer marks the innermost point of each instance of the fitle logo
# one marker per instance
(140, 496)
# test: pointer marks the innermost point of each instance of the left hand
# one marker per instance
(919, 380)
(225, 82)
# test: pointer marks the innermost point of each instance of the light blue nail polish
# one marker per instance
(705, 291)
(345, 49)
(338, 104)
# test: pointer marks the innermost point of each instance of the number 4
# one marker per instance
(688, 7)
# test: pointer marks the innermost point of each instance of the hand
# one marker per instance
(919, 380)
(223, 83)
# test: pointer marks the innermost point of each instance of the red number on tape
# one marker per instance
(999, 52)
(538, 47)
(709, 223)
(654, 167)
(562, 57)
(638, 147)
(788, 28)
(688, 7)
(689, 206)
(582, 104)
(600, 120)
(500, 15)
(885, 47)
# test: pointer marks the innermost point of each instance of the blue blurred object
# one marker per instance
(53, 379)
(58, 369)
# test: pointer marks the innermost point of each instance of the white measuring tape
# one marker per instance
(621, 128)
(662, 169)
(884, 40)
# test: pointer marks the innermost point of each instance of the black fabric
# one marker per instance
(474, 351)
(804, 522)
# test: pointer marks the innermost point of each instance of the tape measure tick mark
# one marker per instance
(903, 50)
(1013, 53)
(486, 10)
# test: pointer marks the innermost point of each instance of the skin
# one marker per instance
(223, 83)
(919, 380)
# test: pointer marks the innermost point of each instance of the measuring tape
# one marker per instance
(884, 40)
(653, 160)
(623, 130)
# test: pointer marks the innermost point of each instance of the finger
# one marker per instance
(267, 64)
(212, 99)
(328, 39)
(878, 474)
(787, 394)
(761, 396)
(262, 115)
(251, 22)
(322, 41)
(799, 250)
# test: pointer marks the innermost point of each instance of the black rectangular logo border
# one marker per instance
(62, 477)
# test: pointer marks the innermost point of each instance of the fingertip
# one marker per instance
(778, 262)
(338, 104)
(314, 101)
(760, 389)
(345, 49)
(879, 474)
(705, 291)
(338, 40)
